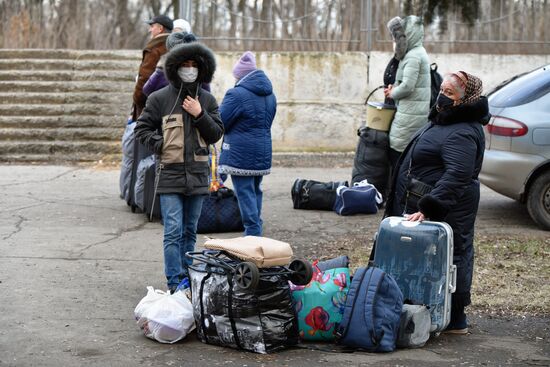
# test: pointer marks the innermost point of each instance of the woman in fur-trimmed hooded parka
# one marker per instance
(178, 123)
(447, 155)
(247, 112)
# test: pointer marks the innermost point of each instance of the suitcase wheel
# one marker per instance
(300, 272)
(247, 275)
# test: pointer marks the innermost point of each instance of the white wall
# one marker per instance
(321, 95)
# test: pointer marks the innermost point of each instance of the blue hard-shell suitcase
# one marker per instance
(419, 255)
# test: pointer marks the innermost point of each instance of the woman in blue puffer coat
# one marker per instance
(247, 112)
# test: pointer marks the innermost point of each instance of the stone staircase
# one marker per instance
(64, 106)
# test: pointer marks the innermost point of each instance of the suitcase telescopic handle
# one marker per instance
(452, 286)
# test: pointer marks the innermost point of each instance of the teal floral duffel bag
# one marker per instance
(319, 305)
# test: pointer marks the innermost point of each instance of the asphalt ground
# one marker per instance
(74, 262)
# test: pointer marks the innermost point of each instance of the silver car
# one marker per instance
(517, 142)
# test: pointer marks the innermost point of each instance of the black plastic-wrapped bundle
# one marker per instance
(260, 320)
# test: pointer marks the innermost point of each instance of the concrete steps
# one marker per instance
(77, 65)
(75, 148)
(73, 109)
(62, 121)
(64, 105)
(63, 134)
(70, 75)
(105, 98)
(64, 86)
(37, 53)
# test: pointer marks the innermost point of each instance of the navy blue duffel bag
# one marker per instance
(361, 198)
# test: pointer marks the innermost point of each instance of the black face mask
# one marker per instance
(443, 101)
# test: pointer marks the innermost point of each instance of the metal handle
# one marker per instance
(452, 286)
(371, 93)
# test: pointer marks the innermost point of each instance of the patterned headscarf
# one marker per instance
(472, 86)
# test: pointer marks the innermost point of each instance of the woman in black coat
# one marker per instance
(446, 156)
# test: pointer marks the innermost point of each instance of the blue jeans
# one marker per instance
(180, 215)
(249, 194)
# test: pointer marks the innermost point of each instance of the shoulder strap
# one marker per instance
(230, 311)
(215, 182)
(373, 286)
(351, 297)
(201, 294)
(412, 149)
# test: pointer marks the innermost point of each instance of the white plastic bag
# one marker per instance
(151, 297)
(163, 317)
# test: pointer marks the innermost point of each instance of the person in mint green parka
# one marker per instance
(411, 90)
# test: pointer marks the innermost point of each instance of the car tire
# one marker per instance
(538, 201)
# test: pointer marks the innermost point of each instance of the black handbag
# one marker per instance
(220, 213)
(416, 189)
(220, 209)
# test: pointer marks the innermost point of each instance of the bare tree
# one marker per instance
(321, 25)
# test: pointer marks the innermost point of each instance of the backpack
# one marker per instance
(436, 80)
(372, 312)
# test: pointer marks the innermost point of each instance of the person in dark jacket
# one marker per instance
(160, 27)
(178, 123)
(447, 155)
(247, 112)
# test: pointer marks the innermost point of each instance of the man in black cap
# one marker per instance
(160, 27)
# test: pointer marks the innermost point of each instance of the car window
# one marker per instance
(524, 89)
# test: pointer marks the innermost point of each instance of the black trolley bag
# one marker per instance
(371, 161)
(238, 305)
(151, 202)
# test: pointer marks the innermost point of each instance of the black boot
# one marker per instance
(459, 323)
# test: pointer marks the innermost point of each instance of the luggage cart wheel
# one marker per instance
(301, 272)
(247, 275)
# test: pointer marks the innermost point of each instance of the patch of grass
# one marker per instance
(511, 275)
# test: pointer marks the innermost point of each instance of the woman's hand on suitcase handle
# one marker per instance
(415, 217)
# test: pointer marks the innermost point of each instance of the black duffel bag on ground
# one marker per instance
(314, 195)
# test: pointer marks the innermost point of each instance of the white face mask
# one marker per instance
(188, 74)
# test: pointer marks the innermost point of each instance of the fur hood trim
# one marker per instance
(395, 26)
(477, 112)
(190, 51)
